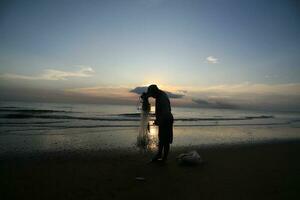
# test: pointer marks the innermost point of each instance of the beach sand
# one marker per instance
(256, 171)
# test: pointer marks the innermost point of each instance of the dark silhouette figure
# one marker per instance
(164, 120)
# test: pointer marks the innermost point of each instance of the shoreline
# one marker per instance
(85, 153)
(253, 171)
(135, 150)
(79, 140)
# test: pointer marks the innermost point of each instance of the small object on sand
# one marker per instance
(139, 178)
(190, 158)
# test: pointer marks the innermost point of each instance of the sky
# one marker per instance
(207, 53)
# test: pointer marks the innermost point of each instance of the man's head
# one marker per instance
(152, 91)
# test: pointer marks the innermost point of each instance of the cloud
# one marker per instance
(248, 88)
(271, 76)
(212, 60)
(51, 74)
(116, 92)
(275, 97)
(282, 97)
(214, 103)
(182, 91)
(62, 96)
(234, 96)
(174, 96)
(140, 90)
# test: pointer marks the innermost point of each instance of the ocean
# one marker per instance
(39, 127)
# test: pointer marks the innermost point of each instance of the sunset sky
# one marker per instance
(209, 53)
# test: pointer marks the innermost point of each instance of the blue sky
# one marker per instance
(179, 44)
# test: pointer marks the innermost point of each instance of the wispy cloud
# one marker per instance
(106, 94)
(212, 60)
(52, 74)
(283, 97)
(235, 96)
(249, 96)
(248, 88)
(104, 91)
(271, 76)
(214, 103)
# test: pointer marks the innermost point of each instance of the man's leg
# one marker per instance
(159, 153)
(166, 151)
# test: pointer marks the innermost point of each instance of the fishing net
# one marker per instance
(143, 138)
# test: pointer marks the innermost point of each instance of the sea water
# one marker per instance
(35, 127)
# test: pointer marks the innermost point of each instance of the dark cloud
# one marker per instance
(214, 104)
(140, 90)
(57, 96)
(174, 96)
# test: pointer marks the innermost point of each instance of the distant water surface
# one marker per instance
(29, 127)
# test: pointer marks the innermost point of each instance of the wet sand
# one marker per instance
(256, 171)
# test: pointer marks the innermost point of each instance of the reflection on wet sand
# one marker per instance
(151, 139)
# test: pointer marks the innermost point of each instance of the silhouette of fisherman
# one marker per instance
(164, 120)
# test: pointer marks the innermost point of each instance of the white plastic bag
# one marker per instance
(190, 158)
